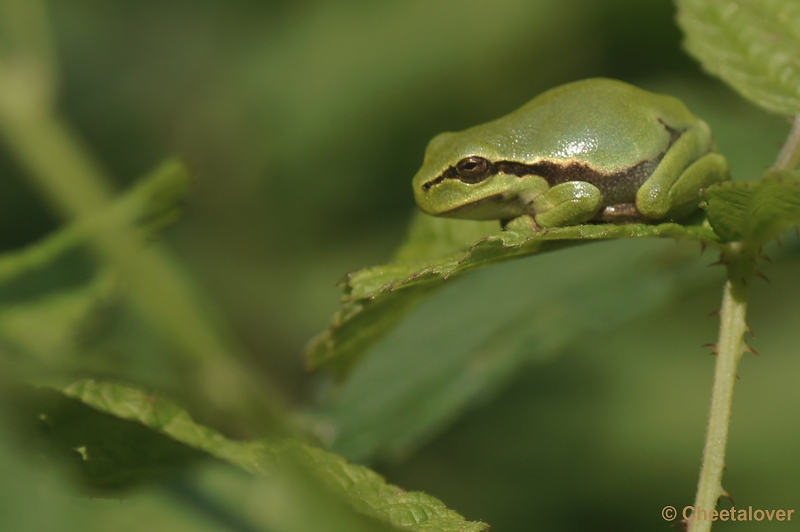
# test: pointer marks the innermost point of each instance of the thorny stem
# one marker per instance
(740, 263)
(730, 348)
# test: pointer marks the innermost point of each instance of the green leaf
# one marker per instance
(120, 436)
(753, 45)
(110, 454)
(376, 298)
(40, 498)
(432, 236)
(469, 339)
(754, 211)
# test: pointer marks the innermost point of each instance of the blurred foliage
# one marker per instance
(304, 122)
(59, 308)
(752, 45)
(117, 437)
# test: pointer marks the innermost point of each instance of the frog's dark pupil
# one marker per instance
(473, 169)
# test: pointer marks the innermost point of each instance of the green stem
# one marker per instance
(730, 347)
(789, 157)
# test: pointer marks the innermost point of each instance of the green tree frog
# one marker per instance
(593, 150)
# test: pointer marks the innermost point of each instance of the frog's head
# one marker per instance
(460, 178)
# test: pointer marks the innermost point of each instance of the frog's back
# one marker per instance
(608, 124)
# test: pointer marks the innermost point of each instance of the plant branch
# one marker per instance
(789, 157)
(730, 348)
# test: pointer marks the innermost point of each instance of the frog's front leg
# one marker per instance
(569, 203)
(673, 190)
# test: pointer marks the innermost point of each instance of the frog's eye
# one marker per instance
(473, 169)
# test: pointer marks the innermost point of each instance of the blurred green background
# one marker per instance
(304, 122)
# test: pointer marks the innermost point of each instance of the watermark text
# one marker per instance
(690, 513)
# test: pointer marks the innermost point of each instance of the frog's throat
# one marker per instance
(516, 205)
(556, 173)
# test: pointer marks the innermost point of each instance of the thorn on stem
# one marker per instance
(714, 313)
(750, 330)
(713, 348)
(748, 348)
(761, 274)
(728, 496)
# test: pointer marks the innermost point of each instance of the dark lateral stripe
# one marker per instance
(556, 173)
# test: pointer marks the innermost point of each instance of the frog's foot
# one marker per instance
(684, 195)
(523, 224)
(619, 214)
(570, 203)
(673, 191)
